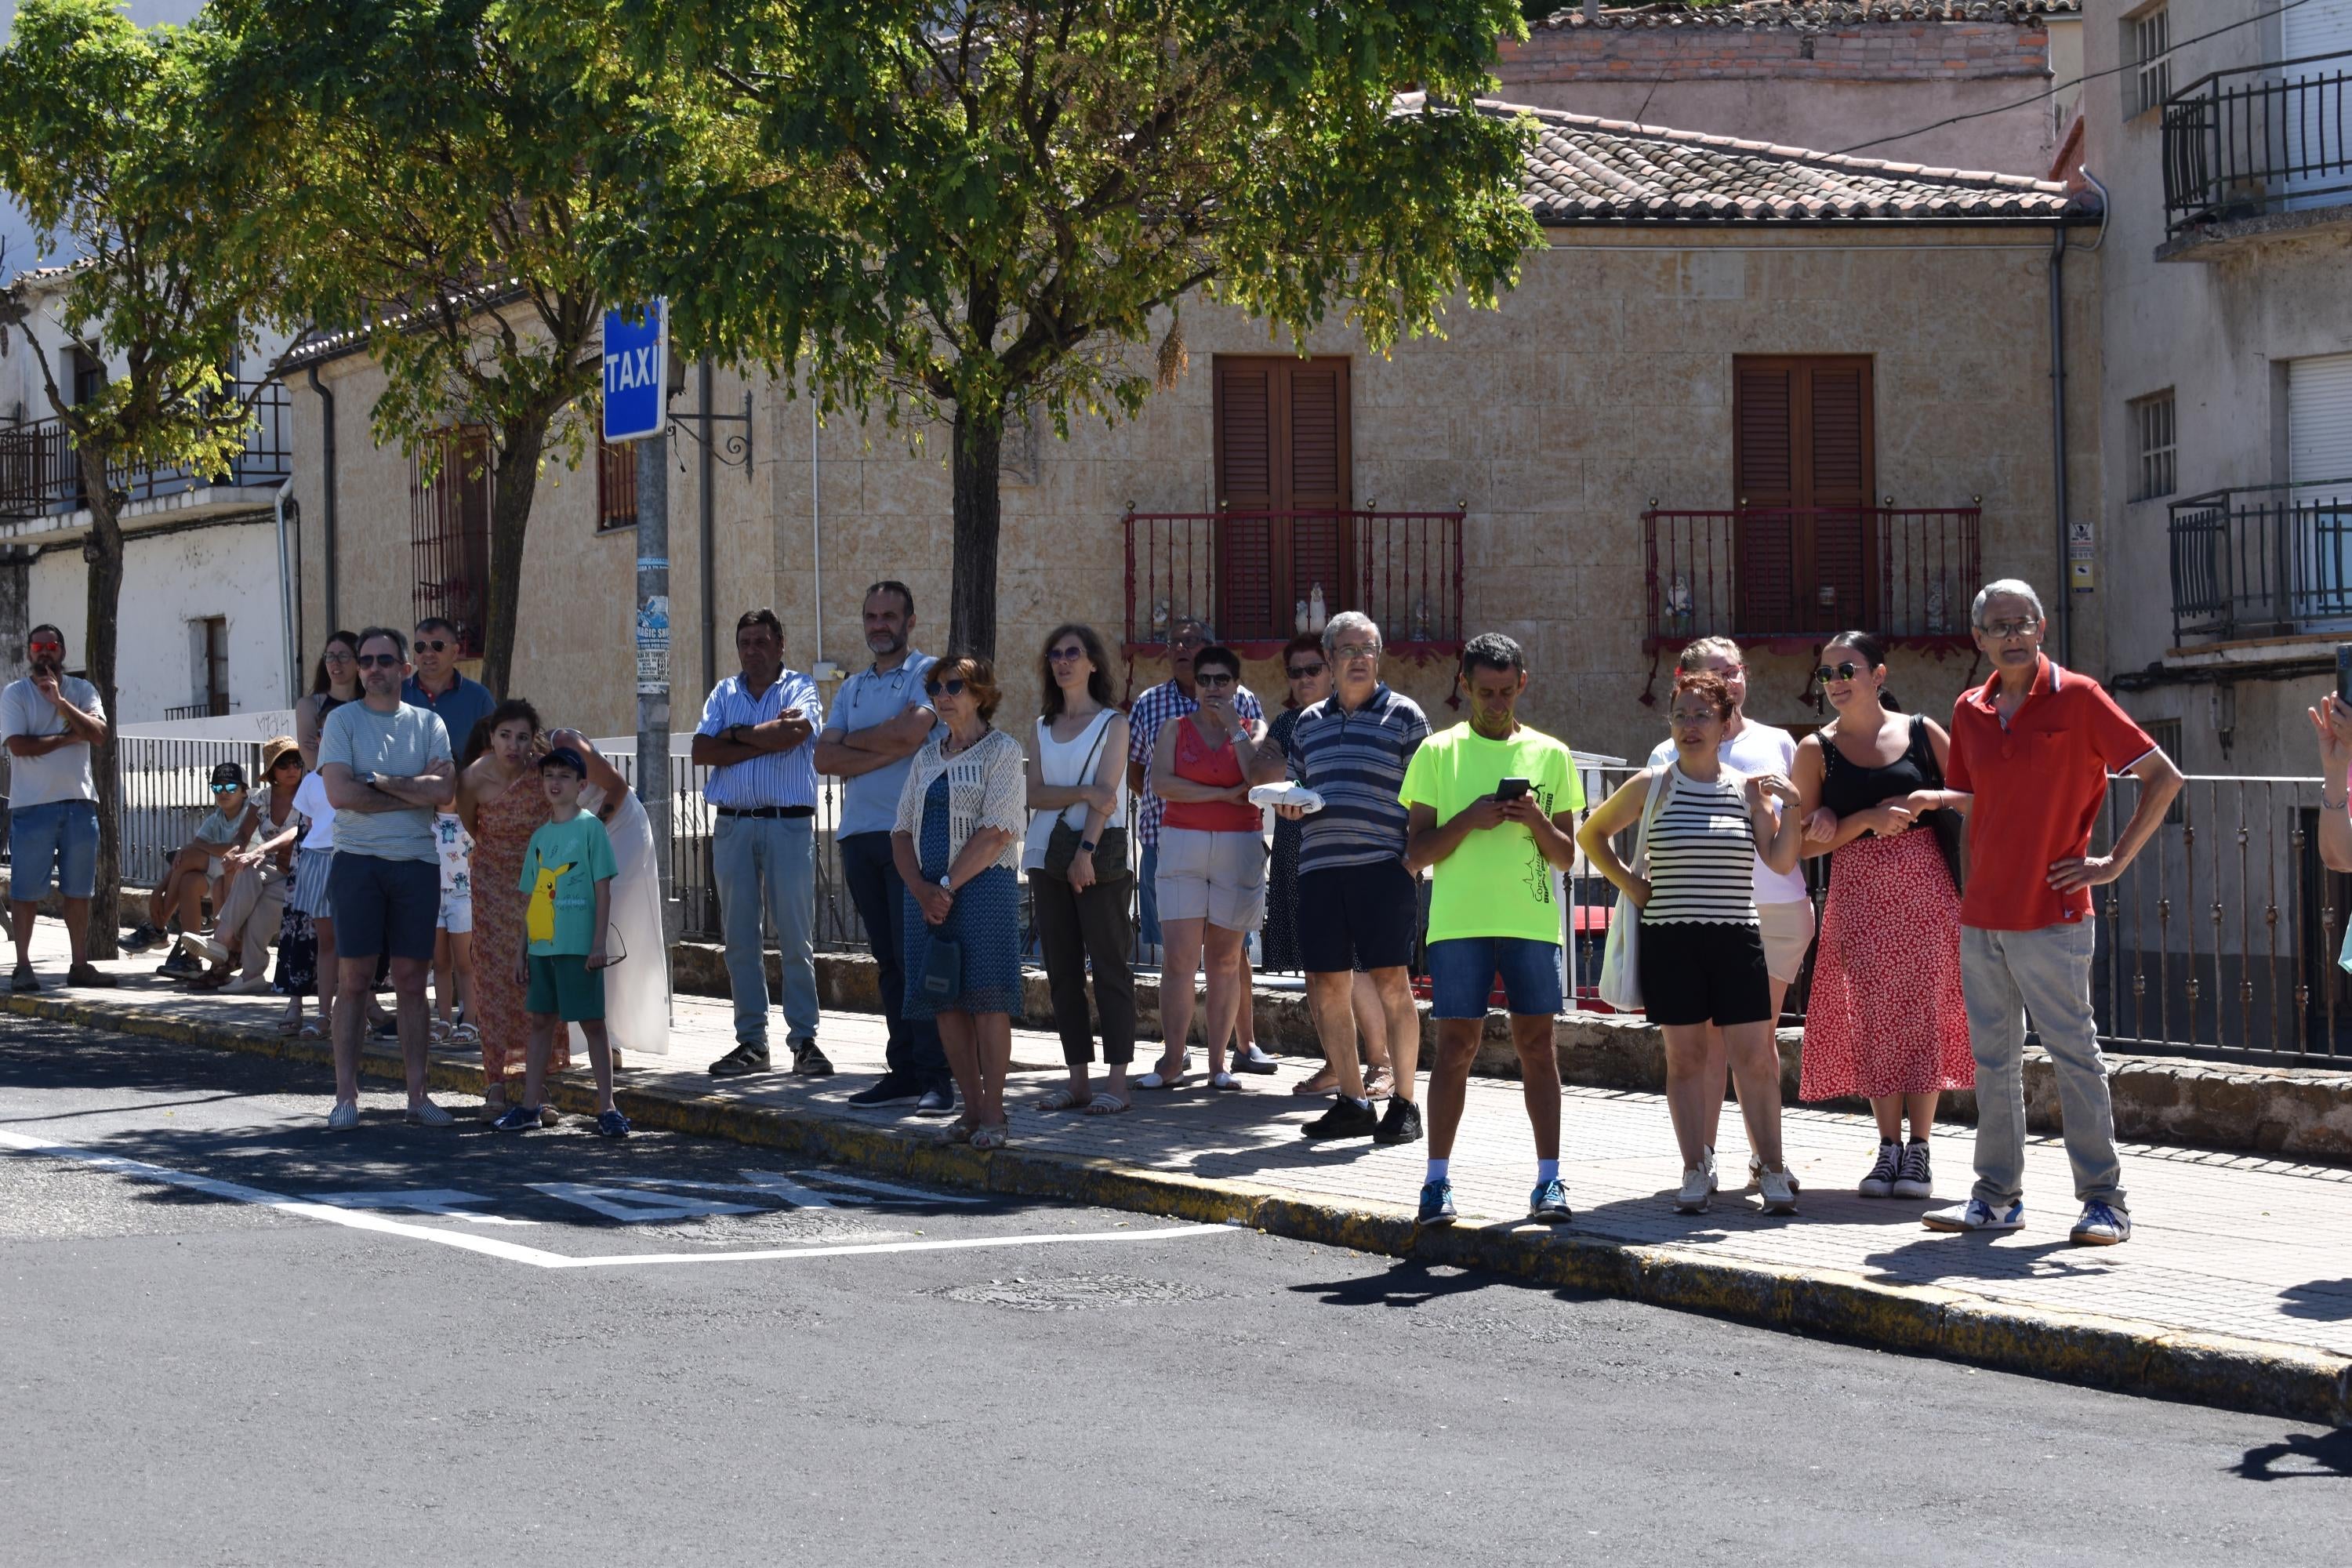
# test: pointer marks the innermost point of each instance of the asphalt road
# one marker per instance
(216, 1366)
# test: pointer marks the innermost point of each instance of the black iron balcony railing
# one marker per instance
(2261, 139)
(41, 472)
(2262, 560)
(1801, 574)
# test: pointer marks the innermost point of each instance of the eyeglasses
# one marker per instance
(2005, 629)
(953, 688)
(1213, 680)
(338, 656)
(1842, 671)
(1307, 671)
(1356, 651)
(377, 660)
(436, 647)
(1188, 639)
(1066, 654)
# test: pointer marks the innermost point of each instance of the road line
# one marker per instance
(513, 1252)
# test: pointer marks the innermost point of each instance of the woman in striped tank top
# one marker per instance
(1702, 949)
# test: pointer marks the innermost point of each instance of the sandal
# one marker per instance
(312, 1032)
(1323, 1081)
(994, 1137)
(1379, 1083)
(1224, 1082)
(1161, 1078)
(1105, 1105)
(956, 1131)
(1064, 1099)
(290, 1027)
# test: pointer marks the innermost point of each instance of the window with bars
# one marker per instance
(449, 531)
(617, 485)
(2147, 45)
(2158, 471)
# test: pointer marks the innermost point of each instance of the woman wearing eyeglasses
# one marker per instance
(1212, 867)
(1309, 675)
(957, 845)
(1885, 1020)
(334, 680)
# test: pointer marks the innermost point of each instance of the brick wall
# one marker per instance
(1865, 52)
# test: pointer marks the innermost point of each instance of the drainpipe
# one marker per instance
(293, 658)
(817, 535)
(327, 490)
(708, 542)
(2066, 590)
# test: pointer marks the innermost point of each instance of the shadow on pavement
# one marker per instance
(2299, 1457)
(2324, 1301)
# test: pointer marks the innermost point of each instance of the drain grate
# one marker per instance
(1073, 1293)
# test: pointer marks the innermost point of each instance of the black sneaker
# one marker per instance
(741, 1062)
(940, 1100)
(1346, 1119)
(24, 980)
(141, 937)
(1400, 1124)
(180, 963)
(809, 1062)
(888, 1089)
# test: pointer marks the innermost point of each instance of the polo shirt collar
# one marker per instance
(1378, 703)
(2048, 678)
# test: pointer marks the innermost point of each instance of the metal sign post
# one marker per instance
(637, 408)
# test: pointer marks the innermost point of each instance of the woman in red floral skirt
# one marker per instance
(1885, 1019)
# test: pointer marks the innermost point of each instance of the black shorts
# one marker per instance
(1358, 917)
(1700, 972)
(383, 907)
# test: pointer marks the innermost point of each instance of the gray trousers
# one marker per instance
(2006, 974)
(768, 865)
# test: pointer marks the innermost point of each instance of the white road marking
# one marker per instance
(632, 1206)
(758, 1184)
(513, 1252)
(868, 1185)
(443, 1201)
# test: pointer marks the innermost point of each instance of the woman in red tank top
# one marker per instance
(1212, 876)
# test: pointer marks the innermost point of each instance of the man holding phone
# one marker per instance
(1492, 808)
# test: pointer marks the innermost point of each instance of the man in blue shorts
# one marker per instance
(51, 719)
(1493, 806)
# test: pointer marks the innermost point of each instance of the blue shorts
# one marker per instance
(60, 838)
(1462, 973)
(383, 906)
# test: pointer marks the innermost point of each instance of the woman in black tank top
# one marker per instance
(334, 682)
(1885, 1020)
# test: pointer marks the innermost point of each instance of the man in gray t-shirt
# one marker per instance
(387, 769)
(51, 720)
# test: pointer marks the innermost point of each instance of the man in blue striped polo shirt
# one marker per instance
(755, 738)
(1358, 905)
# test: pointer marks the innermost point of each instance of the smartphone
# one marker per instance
(1511, 789)
(2344, 670)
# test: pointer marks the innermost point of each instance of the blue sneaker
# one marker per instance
(1437, 1204)
(1977, 1214)
(2101, 1226)
(1548, 1204)
(611, 1124)
(517, 1119)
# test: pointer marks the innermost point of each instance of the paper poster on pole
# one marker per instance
(652, 647)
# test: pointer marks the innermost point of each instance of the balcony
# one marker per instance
(1252, 576)
(2261, 560)
(1788, 577)
(40, 473)
(2255, 150)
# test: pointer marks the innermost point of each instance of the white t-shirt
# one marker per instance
(310, 801)
(1758, 749)
(64, 774)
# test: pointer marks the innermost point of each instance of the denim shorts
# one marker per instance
(60, 838)
(1462, 972)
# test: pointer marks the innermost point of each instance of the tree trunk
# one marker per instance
(514, 480)
(971, 601)
(103, 552)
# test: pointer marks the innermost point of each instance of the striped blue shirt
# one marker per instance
(774, 778)
(1355, 758)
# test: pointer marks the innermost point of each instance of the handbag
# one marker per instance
(1621, 955)
(942, 976)
(1946, 824)
(1061, 843)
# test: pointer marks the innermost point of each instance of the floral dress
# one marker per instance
(502, 830)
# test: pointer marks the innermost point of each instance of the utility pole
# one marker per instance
(652, 645)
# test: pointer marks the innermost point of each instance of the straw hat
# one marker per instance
(274, 748)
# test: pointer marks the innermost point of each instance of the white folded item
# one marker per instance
(1286, 794)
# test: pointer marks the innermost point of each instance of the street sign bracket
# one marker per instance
(732, 449)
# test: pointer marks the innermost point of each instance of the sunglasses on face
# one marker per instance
(1066, 654)
(226, 789)
(377, 660)
(1213, 680)
(1307, 671)
(953, 688)
(434, 646)
(1842, 671)
(55, 647)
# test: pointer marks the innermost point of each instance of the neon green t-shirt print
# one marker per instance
(1497, 882)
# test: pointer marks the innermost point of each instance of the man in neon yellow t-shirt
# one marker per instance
(1493, 809)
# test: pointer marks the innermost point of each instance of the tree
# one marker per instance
(433, 199)
(955, 209)
(106, 137)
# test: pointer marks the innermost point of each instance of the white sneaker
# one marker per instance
(1756, 1175)
(246, 985)
(1778, 1190)
(202, 946)
(2101, 1226)
(1698, 1189)
(344, 1117)
(1977, 1214)
(1880, 1182)
(1707, 1163)
(425, 1113)
(1914, 1180)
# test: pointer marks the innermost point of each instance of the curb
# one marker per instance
(2263, 1377)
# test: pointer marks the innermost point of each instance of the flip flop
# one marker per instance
(985, 1138)
(1064, 1099)
(1105, 1105)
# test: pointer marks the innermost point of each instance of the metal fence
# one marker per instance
(1780, 572)
(2239, 143)
(40, 471)
(2259, 558)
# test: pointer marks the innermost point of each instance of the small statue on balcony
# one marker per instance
(1678, 601)
(1317, 614)
(1159, 620)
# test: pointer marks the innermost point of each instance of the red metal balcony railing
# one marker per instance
(1796, 574)
(40, 473)
(1253, 577)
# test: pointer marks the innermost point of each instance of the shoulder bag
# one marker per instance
(1946, 824)
(1621, 957)
(1061, 843)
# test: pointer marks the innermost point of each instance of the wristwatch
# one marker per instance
(946, 885)
(1088, 844)
(731, 735)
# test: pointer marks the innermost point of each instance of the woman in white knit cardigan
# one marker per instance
(957, 848)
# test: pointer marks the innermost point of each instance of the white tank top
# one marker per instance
(1064, 762)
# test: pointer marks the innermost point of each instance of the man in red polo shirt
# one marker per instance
(2031, 750)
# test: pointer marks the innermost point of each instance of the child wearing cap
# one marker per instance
(567, 874)
(194, 870)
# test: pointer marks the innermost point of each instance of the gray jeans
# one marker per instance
(765, 864)
(2047, 973)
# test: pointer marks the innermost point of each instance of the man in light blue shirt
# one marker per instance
(756, 739)
(880, 719)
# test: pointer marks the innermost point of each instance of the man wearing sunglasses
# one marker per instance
(438, 686)
(51, 720)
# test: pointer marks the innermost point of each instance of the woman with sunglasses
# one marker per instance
(1076, 855)
(957, 845)
(1885, 1020)
(1309, 675)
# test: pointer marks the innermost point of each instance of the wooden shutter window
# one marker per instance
(1803, 461)
(1285, 487)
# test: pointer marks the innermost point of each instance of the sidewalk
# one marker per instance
(2236, 1289)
